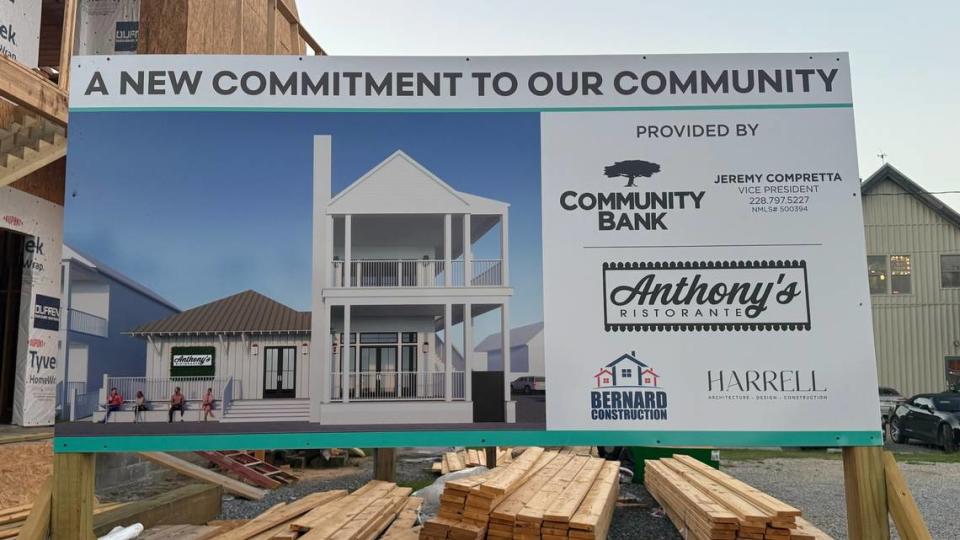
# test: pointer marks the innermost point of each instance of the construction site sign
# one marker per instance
(660, 249)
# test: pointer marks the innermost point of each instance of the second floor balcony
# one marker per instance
(418, 273)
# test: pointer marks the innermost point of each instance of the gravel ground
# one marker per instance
(816, 487)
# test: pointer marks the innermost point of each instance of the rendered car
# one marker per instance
(931, 418)
(889, 400)
(529, 385)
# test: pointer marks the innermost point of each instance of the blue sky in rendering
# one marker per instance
(201, 205)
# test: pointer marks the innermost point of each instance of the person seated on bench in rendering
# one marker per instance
(208, 404)
(139, 407)
(114, 403)
(176, 403)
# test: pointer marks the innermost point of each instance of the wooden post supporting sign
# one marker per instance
(866, 493)
(384, 464)
(71, 516)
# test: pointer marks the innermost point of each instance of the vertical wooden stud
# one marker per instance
(37, 525)
(71, 515)
(866, 493)
(66, 42)
(271, 26)
(384, 464)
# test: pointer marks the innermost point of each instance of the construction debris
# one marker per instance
(469, 457)
(13, 519)
(706, 504)
(234, 487)
(541, 494)
(251, 468)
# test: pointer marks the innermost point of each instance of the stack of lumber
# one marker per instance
(468, 457)
(541, 494)
(12, 519)
(706, 504)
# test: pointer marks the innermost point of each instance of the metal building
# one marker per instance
(913, 266)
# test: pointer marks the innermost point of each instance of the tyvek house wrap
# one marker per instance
(38, 348)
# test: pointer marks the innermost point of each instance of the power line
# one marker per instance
(954, 192)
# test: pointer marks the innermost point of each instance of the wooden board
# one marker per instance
(282, 514)
(234, 487)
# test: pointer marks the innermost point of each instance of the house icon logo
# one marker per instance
(626, 372)
(627, 389)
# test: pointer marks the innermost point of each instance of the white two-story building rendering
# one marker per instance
(396, 289)
(393, 269)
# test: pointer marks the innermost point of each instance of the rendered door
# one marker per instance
(280, 372)
(378, 372)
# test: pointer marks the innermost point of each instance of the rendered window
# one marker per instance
(900, 274)
(950, 271)
(877, 273)
(378, 337)
(409, 337)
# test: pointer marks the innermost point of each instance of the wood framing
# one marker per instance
(30, 90)
(66, 43)
(37, 525)
(906, 515)
(866, 493)
(71, 516)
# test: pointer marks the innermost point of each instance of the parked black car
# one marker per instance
(931, 418)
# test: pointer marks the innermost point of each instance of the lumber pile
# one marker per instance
(706, 504)
(12, 519)
(469, 457)
(541, 494)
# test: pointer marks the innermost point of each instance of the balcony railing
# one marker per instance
(415, 273)
(81, 321)
(397, 386)
(193, 388)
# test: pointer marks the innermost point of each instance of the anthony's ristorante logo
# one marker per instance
(631, 210)
(706, 295)
(627, 389)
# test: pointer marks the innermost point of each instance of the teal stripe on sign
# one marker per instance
(759, 106)
(393, 439)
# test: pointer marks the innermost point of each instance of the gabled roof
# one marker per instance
(400, 184)
(602, 371)
(248, 312)
(94, 265)
(889, 172)
(518, 336)
(629, 357)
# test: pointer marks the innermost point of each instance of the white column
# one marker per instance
(326, 367)
(322, 256)
(348, 250)
(468, 352)
(505, 332)
(467, 252)
(447, 253)
(447, 351)
(504, 250)
(346, 367)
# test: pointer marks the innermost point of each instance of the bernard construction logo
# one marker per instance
(706, 296)
(627, 389)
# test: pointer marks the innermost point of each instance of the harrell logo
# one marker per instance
(627, 389)
(632, 210)
(729, 295)
(13, 221)
(767, 384)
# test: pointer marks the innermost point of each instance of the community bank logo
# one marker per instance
(706, 296)
(631, 170)
(629, 209)
(13, 221)
(627, 389)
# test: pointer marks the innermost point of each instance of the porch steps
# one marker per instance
(251, 469)
(29, 143)
(268, 410)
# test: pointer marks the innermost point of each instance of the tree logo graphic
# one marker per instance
(631, 169)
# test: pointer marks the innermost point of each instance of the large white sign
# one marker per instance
(20, 30)
(703, 254)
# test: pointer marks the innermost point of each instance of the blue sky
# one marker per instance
(201, 205)
(902, 54)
